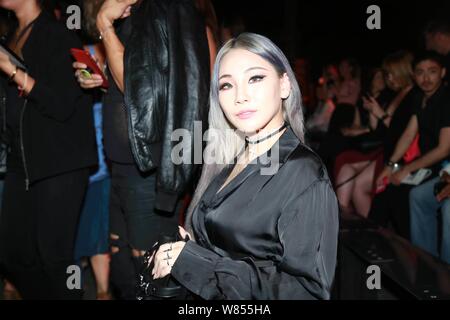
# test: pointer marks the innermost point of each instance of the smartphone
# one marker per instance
(92, 67)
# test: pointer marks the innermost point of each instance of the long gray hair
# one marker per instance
(224, 146)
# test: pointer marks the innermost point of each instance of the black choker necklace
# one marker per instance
(266, 137)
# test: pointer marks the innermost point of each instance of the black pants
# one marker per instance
(392, 205)
(37, 233)
(137, 224)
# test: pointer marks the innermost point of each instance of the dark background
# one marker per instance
(324, 31)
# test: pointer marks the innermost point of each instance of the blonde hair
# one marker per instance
(399, 64)
(225, 146)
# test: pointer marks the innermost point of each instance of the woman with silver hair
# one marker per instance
(264, 215)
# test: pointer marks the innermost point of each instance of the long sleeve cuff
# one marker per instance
(166, 201)
(194, 268)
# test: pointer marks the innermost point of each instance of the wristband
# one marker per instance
(392, 164)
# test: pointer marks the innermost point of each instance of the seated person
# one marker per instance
(386, 112)
(431, 120)
(258, 234)
(317, 124)
(425, 205)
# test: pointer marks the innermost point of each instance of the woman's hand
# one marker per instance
(112, 10)
(372, 105)
(386, 173)
(399, 175)
(167, 255)
(86, 83)
(445, 192)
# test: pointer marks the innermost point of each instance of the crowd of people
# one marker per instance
(385, 136)
(90, 177)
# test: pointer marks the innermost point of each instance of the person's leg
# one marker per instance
(362, 192)
(58, 201)
(18, 251)
(85, 243)
(445, 247)
(424, 207)
(345, 186)
(93, 234)
(122, 271)
(100, 266)
(399, 203)
(138, 196)
(145, 224)
(103, 246)
(10, 292)
(380, 209)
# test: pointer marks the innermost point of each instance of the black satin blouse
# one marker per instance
(271, 233)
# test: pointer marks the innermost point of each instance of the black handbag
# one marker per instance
(166, 288)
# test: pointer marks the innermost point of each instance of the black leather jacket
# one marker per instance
(166, 88)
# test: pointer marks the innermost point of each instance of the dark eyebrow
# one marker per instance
(247, 70)
(225, 76)
(253, 68)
